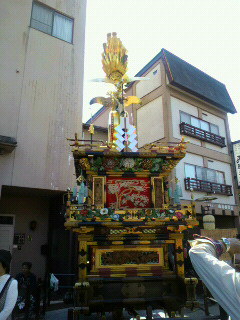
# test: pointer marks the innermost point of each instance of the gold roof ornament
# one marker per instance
(114, 59)
(121, 134)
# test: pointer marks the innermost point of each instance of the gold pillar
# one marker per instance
(82, 259)
(178, 238)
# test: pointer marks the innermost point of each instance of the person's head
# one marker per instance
(26, 267)
(5, 260)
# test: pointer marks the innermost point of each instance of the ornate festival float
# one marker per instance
(130, 237)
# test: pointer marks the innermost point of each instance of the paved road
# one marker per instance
(197, 314)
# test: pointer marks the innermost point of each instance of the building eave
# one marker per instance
(97, 128)
(96, 115)
(7, 144)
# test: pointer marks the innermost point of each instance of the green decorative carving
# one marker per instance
(147, 214)
(127, 164)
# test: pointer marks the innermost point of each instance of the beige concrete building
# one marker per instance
(181, 100)
(41, 89)
(236, 161)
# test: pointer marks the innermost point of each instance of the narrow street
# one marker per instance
(197, 314)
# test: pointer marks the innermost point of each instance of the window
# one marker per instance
(220, 177)
(201, 173)
(198, 123)
(204, 125)
(190, 171)
(51, 22)
(211, 175)
(195, 122)
(185, 117)
(214, 129)
(42, 18)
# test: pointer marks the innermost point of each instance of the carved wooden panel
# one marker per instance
(99, 191)
(129, 257)
(118, 257)
(157, 192)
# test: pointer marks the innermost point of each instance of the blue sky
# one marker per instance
(204, 33)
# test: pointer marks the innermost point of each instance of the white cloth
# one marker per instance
(219, 277)
(11, 297)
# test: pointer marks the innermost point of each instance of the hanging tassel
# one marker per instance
(86, 192)
(170, 193)
(74, 192)
(81, 193)
(177, 194)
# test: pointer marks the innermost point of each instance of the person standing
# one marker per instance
(8, 287)
(27, 285)
(221, 279)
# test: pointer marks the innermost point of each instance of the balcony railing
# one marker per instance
(201, 134)
(206, 186)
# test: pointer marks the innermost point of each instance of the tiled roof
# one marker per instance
(183, 75)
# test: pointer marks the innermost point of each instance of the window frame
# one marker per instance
(205, 173)
(53, 12)
(209, 123)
